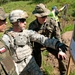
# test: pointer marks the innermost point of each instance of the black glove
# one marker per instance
(61, 46)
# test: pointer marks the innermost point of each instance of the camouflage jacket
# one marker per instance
(49, 29)
(19, 45)
(6, 64)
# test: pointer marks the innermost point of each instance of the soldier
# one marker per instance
(46, 26)
(6, 64)
(18, 42)
(55, 13)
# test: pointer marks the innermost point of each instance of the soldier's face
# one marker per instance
(41, 20)
(22, 23)
(3, 25)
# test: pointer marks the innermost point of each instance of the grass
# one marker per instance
(68, 28)
(29, 6)
(47, 67)
(1, 33)
(72, 73)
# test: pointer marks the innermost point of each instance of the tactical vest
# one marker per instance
(6, 64)
(48, 29)
(19, 45)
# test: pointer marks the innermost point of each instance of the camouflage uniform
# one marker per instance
(18, 42)
(49, 29)
(6, 63)
(21, 50)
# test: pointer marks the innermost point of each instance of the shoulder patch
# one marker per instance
(2, 50)
(2, 47)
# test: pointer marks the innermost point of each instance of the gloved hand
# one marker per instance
(61, 46)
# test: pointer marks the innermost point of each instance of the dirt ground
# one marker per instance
(61, 66)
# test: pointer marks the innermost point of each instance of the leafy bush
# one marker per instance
(4, 1)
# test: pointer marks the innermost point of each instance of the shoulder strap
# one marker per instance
(11, 41)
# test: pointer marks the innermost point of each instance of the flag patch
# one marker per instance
(2, 50)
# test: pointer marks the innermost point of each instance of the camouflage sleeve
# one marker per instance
(6, 40)
(55, 29)
(58, 35)
(42, 39)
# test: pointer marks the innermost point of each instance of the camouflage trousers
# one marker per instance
(28, 67)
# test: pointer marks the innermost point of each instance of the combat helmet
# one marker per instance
(17, 14)
(3, 15)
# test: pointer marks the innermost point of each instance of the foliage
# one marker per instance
(30, 5)
(3, 1)
(68, 28)
(47, 67)
(45, 53)
(72, 73)
(1, 34)
(44, 1)
(23, 5)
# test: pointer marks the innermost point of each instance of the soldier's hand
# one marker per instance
(61, 55)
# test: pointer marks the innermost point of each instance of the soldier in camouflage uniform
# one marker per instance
(6, 63)
(18, 42)
(46, 26)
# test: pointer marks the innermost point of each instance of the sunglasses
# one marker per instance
(4, 20)
(21, 20)
(44, 17)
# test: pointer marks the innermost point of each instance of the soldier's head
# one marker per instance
(41, 12)
(54, 8)
(18, 18)
(3, 17)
